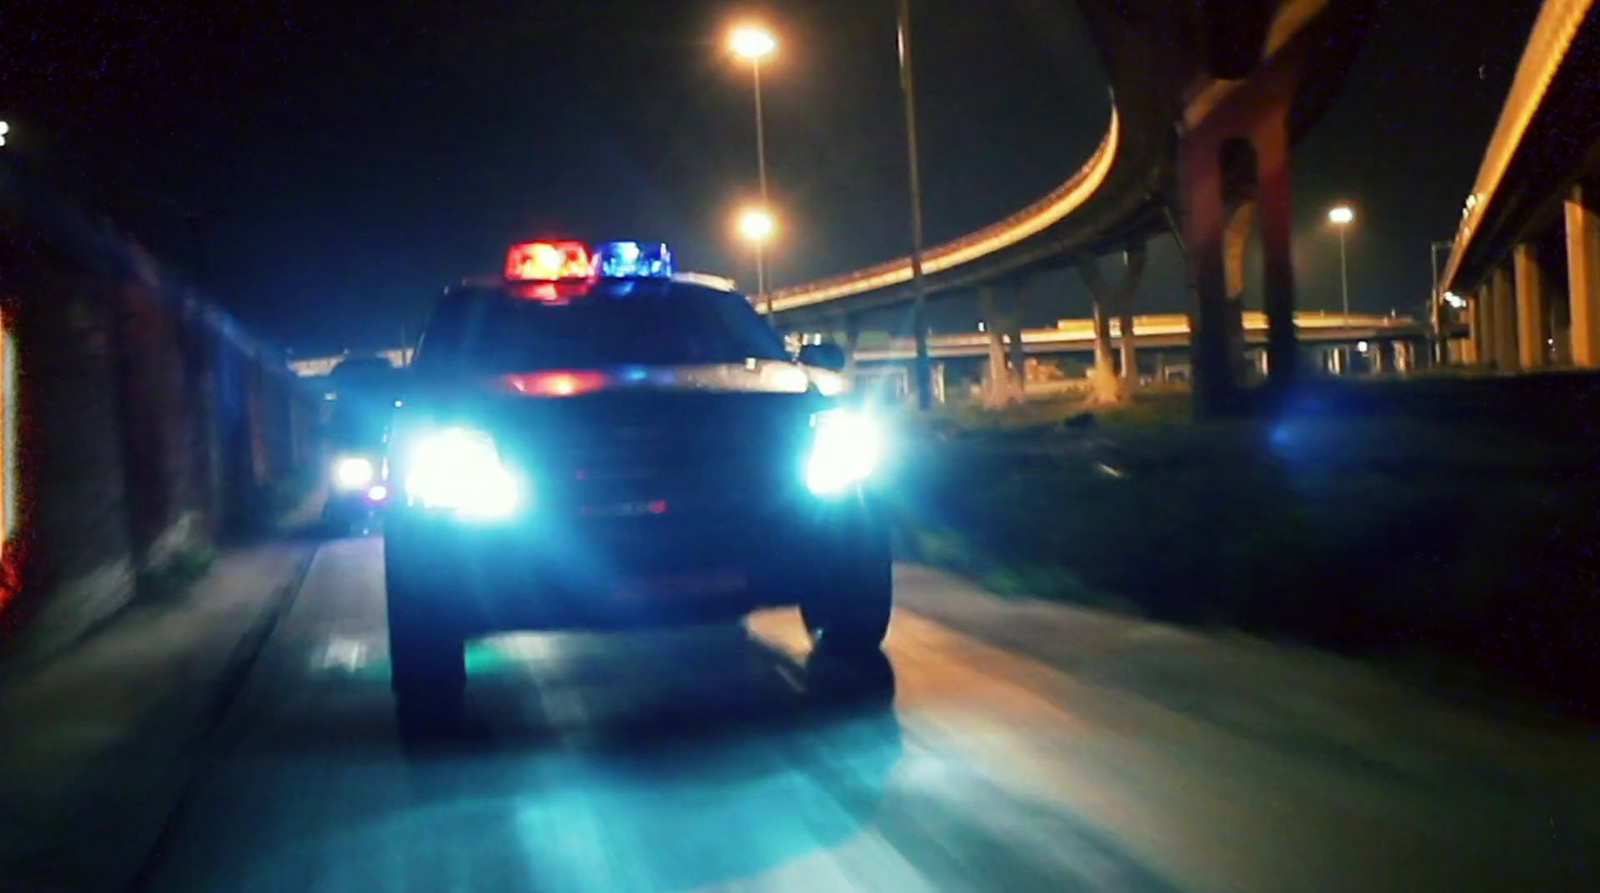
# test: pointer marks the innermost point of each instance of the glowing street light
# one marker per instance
(752, 42)
(4, 129)
(1342, 216)
(757, 225)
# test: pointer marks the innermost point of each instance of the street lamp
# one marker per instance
(908, 93)
(756, 225)
(4, 129)
(1342, 216)
(755, 43)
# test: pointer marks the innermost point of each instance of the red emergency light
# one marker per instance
(549, 262)
(557, 384)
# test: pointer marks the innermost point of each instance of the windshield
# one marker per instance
(655, 325)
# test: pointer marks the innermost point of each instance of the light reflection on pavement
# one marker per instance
(732, 759)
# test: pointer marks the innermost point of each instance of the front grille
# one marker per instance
(628, 469)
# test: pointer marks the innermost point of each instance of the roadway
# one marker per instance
(1003, 745)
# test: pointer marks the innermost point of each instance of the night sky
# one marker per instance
(322, 169)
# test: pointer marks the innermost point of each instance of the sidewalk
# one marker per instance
(96, 744)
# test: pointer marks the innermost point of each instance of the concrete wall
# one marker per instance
(147, 422)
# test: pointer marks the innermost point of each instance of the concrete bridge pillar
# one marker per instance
(1469, 353)
(852, 338)
(1488, 336)
(1125, 333)
(999, 387)
(1001, 307)
(1583, 278)
(1277, 227)
(1200, 175)
(1505, 320)
(1238, 157)
(1532, 320)
(1109, 301)
(1235, 249)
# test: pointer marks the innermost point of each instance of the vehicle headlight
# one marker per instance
(845, 451)
(459, 470)
(353, 472)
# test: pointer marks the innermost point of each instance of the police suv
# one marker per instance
(590, 443)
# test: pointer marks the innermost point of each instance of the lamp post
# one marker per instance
(918, 291)
(1342, 216)
(756, 43)
(756, 225)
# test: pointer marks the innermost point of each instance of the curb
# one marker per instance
(201, 746)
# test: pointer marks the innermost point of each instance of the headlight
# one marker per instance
(845, 451)
(353, 472)
(459, 470)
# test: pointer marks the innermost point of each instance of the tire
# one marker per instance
(427, 662)
(850, 614)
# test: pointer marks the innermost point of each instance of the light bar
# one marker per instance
(633, 260)
(549, 262)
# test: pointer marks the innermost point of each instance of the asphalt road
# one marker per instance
(1002, 746)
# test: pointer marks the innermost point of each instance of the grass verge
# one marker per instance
(1473, 531)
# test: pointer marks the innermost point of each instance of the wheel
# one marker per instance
(850, 614)
(427, 662)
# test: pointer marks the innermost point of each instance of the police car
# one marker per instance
(590, 443)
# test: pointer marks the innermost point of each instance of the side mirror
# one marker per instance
(826, 355)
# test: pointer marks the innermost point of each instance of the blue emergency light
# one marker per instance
(633, 260)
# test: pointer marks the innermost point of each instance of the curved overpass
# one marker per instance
(1158, 55)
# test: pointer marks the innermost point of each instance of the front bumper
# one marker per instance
(615, 573)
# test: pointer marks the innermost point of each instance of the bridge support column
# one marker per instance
(1235, 245)
(1583, 278)
(1109, 301)
(1488, 337)
(1129, 349)
(1532, 321)
(852, 337)
(1103, 385)
(998, 385)
(1468, 353)
(1274, 193)
(1212, 366)
(1009, 321)
(1505, 320)
(1238, 158)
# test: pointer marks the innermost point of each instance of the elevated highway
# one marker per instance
(1175, 69)
(1526, 256)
